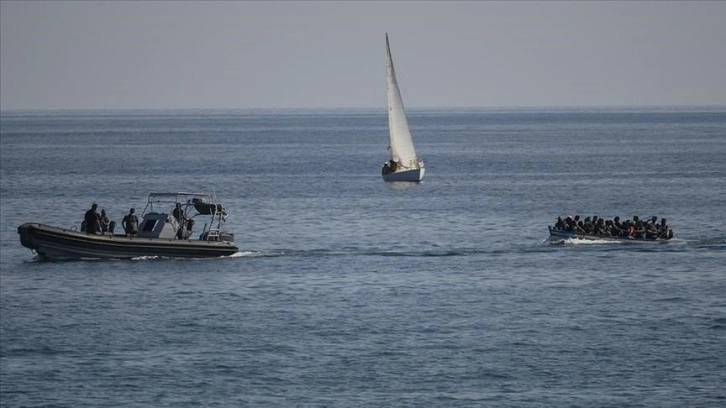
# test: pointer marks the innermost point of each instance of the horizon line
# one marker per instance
(383, 108)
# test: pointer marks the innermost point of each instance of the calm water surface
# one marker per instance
(352, 292)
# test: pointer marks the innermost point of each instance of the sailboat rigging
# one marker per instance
(404, 165)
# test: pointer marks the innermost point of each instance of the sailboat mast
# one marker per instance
(401, 143)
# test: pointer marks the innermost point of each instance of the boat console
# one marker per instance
(159, 225)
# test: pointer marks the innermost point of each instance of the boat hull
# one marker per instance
(59, 243)
(415, 175)
(560, 234)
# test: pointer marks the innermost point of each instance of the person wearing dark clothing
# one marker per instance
(569, 224)
(664, 231)
(92, 220)
(619, 229)
(178, 213)
(650, 231)
(599, 228)
(130, 223)
(639, 229)
(560, 224)
(647, 229)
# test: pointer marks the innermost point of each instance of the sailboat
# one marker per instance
(404, 164)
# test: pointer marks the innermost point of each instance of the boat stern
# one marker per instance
(414, 175)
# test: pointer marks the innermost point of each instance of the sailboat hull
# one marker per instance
(405, 175)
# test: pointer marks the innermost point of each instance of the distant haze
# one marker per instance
(327, 54)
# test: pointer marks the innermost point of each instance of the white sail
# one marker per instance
(402, 150)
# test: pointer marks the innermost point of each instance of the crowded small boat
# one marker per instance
(596, 227)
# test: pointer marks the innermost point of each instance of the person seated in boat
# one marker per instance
(105, 222)
(130, 223)
(628, 229)
(569, 224)
(600, 228)
(595, 229)
(587, 225)
(560, 224)
(608, 228)
(634, 228)
(650, 231)
(185, 230)
(639, 229)
(92, 220)
(616, 228)
(664, 231)
(653, 221)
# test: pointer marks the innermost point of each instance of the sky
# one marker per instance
(331, 54)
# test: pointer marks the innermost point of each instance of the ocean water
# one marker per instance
(351, 292)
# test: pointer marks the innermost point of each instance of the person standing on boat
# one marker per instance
(92, 220)
(178, 213)
(131, 223)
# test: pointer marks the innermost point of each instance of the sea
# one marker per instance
(349, 291)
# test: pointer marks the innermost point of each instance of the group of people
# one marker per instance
(635, 228)
(95, 223)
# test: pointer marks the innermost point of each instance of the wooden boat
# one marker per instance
(562, 234)
(161, 234)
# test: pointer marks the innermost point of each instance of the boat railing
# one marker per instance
(213, 234)
(412, 164)
(192, 205)
(210, 233)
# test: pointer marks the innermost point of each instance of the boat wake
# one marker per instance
(712, 243)
(247, 254)
(240, 254)
(579, 241)
(674, 243)
(353, 251)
